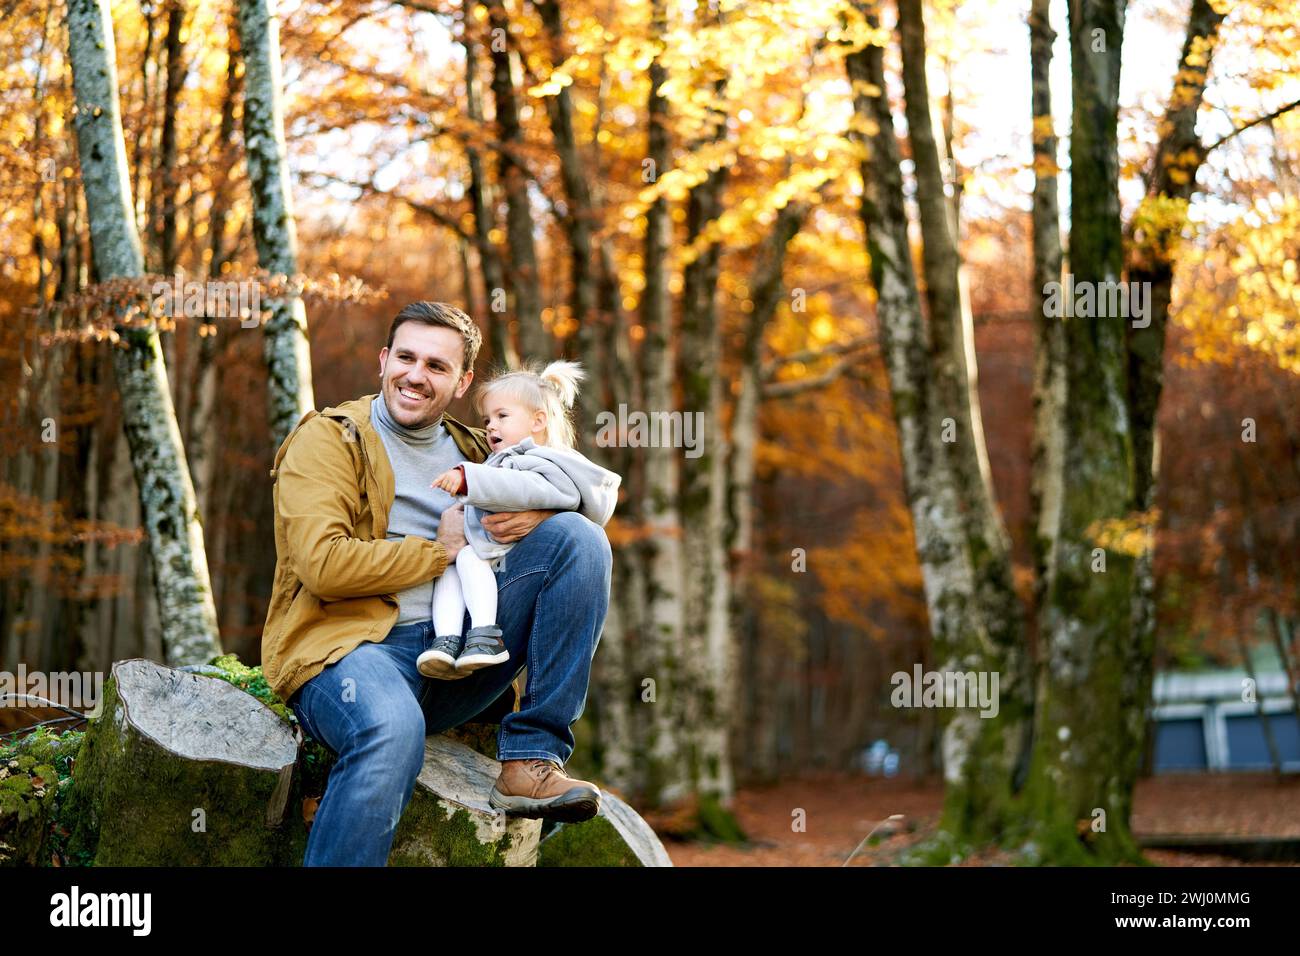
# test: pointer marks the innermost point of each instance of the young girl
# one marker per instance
(533, 465)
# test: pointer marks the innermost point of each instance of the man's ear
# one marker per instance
(383, 360)
(463, 387)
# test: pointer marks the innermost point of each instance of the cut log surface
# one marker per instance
(617, 836)
(202, 719)
(449, 822)
(185, 770)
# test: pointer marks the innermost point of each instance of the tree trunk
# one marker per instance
(500, 345)
(201, 442)
(578, 225)
(1049, 331)
(285, 345)
(665, 778)
(1282, 644)
(1160, 221)
(170, 515)
(1089, 729)
(973, 614)
(766, 291)
(164, 194)
(708, 658)
(534, 342)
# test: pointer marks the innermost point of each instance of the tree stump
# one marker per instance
(617, 836)
(185, 770)
(448, 821)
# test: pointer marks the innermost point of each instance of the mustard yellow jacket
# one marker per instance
(336, 574)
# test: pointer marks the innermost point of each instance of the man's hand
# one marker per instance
(509, 526)
(451, 530)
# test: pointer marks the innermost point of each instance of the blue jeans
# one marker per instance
(374, 709)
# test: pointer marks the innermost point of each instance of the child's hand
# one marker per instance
(448, 481)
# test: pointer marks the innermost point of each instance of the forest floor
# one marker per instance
(840, 810)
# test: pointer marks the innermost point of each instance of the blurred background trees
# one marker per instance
(673, 194)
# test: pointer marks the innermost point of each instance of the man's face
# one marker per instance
(421, 373)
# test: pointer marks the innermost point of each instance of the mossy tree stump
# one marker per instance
(448, 821)
(29, 790)
(617, 836)
(184, 770)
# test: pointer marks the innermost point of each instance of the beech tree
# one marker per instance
(175, 537)
(288, 355)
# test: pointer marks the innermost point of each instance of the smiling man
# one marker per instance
(360, 537)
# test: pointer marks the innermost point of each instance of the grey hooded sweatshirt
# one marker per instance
(530, 476)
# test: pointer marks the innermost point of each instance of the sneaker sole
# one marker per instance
(438, 666)
(573, 806)
(476, 661)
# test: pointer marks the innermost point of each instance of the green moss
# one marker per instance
(427, 836)
(942, 848)
(717, 822)
(251, 681)
(35, 772)
(593, 843)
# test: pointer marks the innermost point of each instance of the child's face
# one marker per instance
(508, 423)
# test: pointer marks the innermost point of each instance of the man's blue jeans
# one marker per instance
(374, 709)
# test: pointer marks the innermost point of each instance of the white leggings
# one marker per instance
(468, 583)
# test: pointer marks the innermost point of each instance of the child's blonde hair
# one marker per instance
(551, 389)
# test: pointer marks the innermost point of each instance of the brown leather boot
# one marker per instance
(540, 789)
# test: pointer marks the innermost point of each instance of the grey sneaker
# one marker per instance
(483, 648)
(440, 660)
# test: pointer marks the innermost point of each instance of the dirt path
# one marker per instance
(838, 811)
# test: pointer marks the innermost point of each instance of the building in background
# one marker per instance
(1208, 721)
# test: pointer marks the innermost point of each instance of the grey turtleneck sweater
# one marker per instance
(418, 455)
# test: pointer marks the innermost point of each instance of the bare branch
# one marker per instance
(812, 355)
(850, 366)
(1267, 117)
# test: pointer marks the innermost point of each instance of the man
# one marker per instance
(360, 537)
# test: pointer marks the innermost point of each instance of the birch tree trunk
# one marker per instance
(958, 553)
(169, 512)
(617, 739)
(285, 343)
(709, 662)
(665, 778)
(595, 306)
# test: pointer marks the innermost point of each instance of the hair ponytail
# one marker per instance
(563, 377)
(553, 389)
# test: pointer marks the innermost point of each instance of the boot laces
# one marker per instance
(540, 768)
